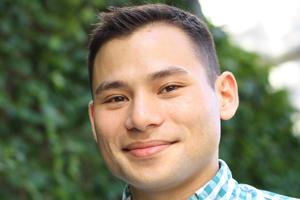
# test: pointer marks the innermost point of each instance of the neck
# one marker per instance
(183, 190)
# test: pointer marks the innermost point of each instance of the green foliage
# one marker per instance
(46, 146)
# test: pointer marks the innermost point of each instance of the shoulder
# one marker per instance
(235, 190)
(245, 191)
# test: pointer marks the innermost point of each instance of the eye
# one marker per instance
(169, 88)
(116, 99)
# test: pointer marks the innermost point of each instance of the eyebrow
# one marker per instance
(170, 71)
(108, 85)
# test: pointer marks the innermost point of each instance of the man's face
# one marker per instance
(155, 115)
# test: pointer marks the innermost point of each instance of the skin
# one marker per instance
(155, 116)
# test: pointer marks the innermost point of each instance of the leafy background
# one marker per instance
(46, 146)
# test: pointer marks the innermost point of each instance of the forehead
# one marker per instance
(147, 49)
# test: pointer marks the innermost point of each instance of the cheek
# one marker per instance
(109, 128)
(109, 131)
(198, 117)
(107, 123)
(186, 110)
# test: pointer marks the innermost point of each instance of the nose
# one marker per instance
(144, 113)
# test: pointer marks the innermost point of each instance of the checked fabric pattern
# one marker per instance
(223, 187)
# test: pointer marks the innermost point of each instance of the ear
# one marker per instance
(92, 119)
(227, 90)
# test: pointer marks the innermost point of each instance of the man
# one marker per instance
(158, 98)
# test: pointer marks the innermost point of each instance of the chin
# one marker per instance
(153, 185)
(154, 179)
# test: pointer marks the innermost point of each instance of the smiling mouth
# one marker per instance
(146, 149)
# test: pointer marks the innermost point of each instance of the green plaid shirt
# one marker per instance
(222, 186)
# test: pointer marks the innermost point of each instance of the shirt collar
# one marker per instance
(211, 189)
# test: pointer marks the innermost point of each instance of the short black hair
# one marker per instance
(122, 21)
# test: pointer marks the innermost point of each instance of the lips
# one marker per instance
(146, 149)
